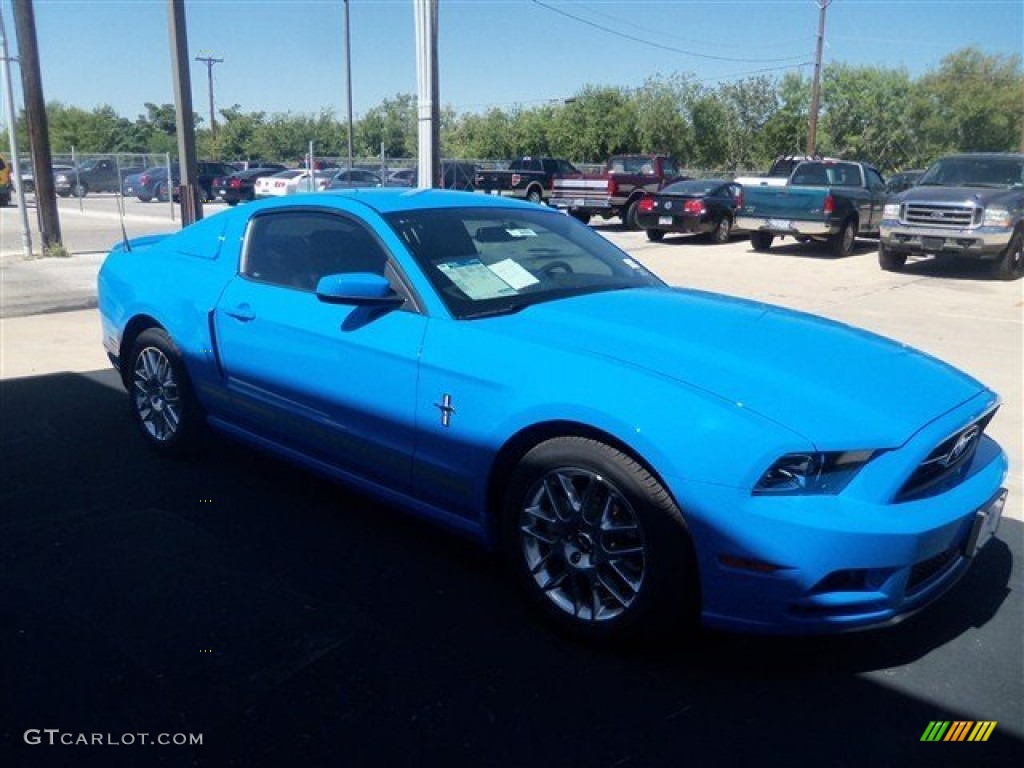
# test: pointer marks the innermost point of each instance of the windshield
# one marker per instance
(487, 261)
(977, 171)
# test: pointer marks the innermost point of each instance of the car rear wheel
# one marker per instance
(1010, 264)
(597, 542)
(160, 393)
(161, 193)
(761, 241)
(841, 245)
(889, 260)
(655, 235)
(534, 195)
(581, 216)
(722, 231)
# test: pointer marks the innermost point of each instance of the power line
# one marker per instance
(660, 46)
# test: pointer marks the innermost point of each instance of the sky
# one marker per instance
(287, 56)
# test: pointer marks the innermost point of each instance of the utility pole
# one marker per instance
(812, 128)
(210, 61)
(191, 206)
(12, 130)
(348, 77)
(38, 127)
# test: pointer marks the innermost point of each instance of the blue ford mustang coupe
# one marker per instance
(643, 455)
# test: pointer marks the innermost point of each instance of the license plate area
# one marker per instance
(780, 224)
(665, 221)
(933, 243)
(986, 523)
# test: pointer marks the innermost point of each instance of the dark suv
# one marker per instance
(152, 183)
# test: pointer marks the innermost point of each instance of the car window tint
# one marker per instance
(668, 167)
(296, 248)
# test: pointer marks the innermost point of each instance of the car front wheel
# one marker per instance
(163, 404)
(598, 543)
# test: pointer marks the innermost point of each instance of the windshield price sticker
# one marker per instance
(475, 280)
(514, 274)
(521, 232)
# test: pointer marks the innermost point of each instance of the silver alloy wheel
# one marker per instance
(155, 394)
(583, 544)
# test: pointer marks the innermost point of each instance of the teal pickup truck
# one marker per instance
(830, 201)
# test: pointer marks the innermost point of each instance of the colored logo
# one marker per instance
(958, 730)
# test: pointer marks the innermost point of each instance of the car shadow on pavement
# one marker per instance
(812, 250)
(291, 621)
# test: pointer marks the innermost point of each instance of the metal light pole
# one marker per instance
(428, 106)
(191, 205)
(812, 128)
(348, 78)
(12, 130)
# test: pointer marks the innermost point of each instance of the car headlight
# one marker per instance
(891, 211)
(812, 473)
(61, 178)
(997, 217)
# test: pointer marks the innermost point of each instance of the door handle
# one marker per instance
(241, 312)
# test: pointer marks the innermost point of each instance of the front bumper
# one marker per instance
(977, 242)
(856, 560)
(780, 226)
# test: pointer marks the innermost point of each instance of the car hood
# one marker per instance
(838, 386)
(980, 195)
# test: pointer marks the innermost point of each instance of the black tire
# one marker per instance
(534, 195)
(145, 198)
(655, 235)
(160, 193)
(231, 202)
(722, 231)
(580, 216)
(761, 241)
(5, 200)
(163, 404)
(81, 189)
(635, 582)
(890, 260)
(1010, 264)
(841, 244)
(630, 217)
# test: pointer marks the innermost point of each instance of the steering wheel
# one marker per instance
(552, 267)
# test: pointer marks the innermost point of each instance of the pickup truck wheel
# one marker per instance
(161, 193)
(145, 198)
(630, 218)
(534, 195)
(890, 260)
(655, 235)
(841, 245)
(761, 241)
(1010, 264)
(581, 216)
(722, 231)
(81, 189)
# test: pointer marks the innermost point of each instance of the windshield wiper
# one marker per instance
(505, 309)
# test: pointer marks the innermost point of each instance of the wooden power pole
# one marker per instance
(812, 128)
(38, 127)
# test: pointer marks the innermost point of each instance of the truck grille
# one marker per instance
(946, 465)
(943, 216)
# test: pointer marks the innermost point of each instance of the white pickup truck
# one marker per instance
(779, 173)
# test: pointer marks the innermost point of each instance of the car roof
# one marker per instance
(386, 200)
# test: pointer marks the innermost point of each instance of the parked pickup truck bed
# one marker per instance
(528, 178)
(829, 201)
(617, 190)
(969, 206)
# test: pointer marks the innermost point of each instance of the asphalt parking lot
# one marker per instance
(292, 622)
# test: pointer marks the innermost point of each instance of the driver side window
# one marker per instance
(294, 249)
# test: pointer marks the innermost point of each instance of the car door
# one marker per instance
(334, 382)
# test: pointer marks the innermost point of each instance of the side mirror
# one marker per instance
(361, 289)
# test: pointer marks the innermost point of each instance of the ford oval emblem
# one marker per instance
(938, 215)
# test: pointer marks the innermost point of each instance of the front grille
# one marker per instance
(942, 216)
(946, 465)
(927, 570)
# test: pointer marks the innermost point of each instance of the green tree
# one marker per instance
(596, 123)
